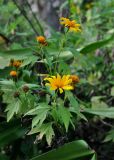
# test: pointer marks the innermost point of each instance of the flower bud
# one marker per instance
(16, 94)
(13, 73)
(25, 89)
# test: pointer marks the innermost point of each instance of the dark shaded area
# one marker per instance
(93, 133)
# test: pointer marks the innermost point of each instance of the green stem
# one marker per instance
(61, 48)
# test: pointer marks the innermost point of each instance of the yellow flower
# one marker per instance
(75, 79)
(60, 83)
(13, 73)
(41, 40)
(71, 25)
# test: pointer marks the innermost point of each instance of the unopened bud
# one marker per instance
(25, 89)
(16, 94)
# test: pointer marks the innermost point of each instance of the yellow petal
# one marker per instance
(77, 24)
(49, 79)
(53, 87)
(53, 77)
(72, 29)
(60, 90)
(68, 87)
(58, 77)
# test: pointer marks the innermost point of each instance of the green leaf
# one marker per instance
(41, 113)
(41, 106)
(66, 55)
(74, 105)
(11, 131)
(31, 86)
(7, 83)
(110, 136)
(70, 151)
(65, 116)
(44, 129)
(41, 116)
(63, 55)
(94, 157)
(12, 109)
(96, 102)
(16, 53)
(105, 112)
(73, 102)
(112, 91)
(3, 62)
(31, 59)
(95, 45)
(49, 135)
(8, 87)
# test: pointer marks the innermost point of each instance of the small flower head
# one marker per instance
(72, 25)
(15, 63)
(41, 40)
(13, 73)
(75, 79)
(60, 83)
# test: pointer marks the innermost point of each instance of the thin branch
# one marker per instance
(25, 15)
(39, 25)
